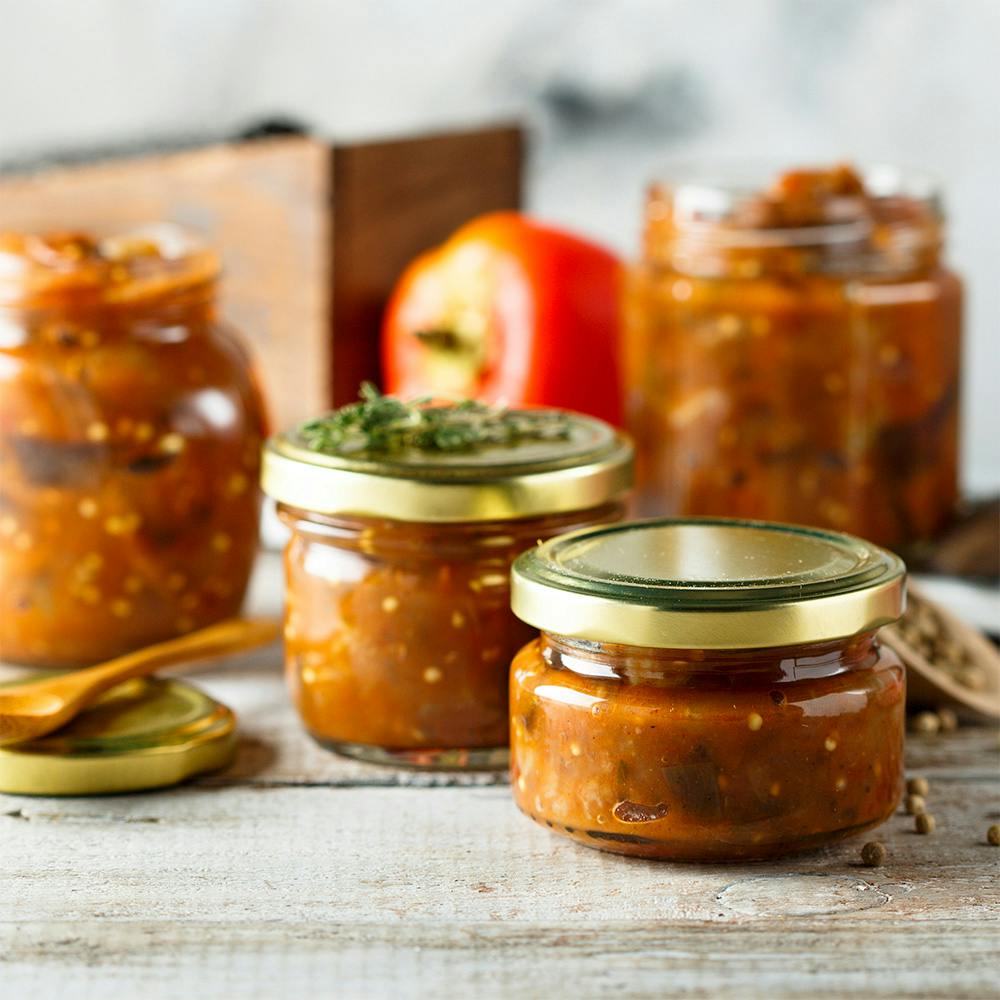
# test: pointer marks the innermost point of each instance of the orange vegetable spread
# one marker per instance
(794, 353)
(706, 750)
(399, 633)
(130, 430)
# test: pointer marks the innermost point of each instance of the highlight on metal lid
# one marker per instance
(707, 583)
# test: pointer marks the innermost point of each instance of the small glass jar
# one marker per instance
(398, 631)
(794, 352)
(130, 434)
(707, 690)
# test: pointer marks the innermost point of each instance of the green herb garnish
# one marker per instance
(385, 424)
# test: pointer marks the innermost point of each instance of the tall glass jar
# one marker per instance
(794, 352)
(398, 627)
(706, 689)
(130, 432)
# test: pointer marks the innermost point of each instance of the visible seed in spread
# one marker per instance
(925, 823)
(221, 542)
(754, 721)
(172, 444)
(237, 484)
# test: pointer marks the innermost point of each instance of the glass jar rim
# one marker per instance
(706, 199)
(122, 268)
(590, 468)
(707, 583)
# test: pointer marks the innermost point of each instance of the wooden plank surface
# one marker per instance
(296, 873)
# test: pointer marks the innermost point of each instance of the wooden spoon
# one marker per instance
(34, 708)
(930, 683)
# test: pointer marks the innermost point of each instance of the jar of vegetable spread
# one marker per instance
(405, 520)
(794, 352)
(707, 689)
(130, 432)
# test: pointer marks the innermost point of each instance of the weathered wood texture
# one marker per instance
(297, 874)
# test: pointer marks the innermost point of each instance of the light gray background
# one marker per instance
(612, 89)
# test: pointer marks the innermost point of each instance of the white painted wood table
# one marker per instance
(299, 874)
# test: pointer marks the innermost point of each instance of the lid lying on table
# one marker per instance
(706, 583)
(555, 462)
(143, 734)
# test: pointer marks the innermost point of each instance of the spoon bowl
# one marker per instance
(33, 708)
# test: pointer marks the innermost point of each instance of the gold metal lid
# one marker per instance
(590, 466)
(143, 734)
(707, 583)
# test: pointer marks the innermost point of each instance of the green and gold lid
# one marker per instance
(707, 583)
(142, 734)
(448, 462)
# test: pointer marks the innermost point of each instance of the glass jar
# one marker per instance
(794, 352)
(130, 433)
(707, 690)
(399, 633)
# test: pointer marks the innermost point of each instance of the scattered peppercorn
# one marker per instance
(925, 823)
(873, 854)
(925, 722)
(993, 835)
(915, 805)
(948, 719)
(918, 786)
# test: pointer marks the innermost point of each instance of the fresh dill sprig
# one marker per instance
(383, 424)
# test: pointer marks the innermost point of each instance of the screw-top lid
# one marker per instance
(142, 734)
(589, 464)
(707, 583)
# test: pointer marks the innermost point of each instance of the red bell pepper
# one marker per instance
(510, 312)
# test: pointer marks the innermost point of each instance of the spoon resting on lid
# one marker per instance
(37, 707)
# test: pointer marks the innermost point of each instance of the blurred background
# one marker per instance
(610, 90)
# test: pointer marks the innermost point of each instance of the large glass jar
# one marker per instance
(398, 629)
(130, 433)
(707, 690)
(794, 353)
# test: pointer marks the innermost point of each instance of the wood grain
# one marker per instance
(299, 873)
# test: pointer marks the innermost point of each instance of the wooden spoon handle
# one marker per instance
(82, 686)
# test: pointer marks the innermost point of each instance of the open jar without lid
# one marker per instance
(794, 344)
(398, 630)
(130, 433)
(707, 689)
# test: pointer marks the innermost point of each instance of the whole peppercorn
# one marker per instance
(873, 854)
(915, 805)
(925, 722)
(948, 720)
(993, 835)
(925, 823)
(918, 786)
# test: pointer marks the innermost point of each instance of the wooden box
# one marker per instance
(312, 236)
